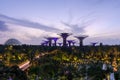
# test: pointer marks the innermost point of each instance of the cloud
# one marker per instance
(24, 30)
(78, 25)
(27, 23)
(75, 27)
(3, 26)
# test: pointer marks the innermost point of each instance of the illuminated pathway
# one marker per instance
(27, 64)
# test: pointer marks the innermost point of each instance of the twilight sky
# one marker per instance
(30, 21)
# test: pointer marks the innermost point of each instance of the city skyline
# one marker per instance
(31, 21)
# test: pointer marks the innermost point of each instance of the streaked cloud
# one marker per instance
(24, 30)
(75, 27)
(3, 26)
(27, 23)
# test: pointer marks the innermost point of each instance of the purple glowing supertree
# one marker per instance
(81, 38)
(49, 40)
(45, 43)
(64, 36)
(70, 42)
(73, 43)
(94, 43)
(55, 40)
(60, 44)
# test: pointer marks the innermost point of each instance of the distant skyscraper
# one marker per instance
(101, 44)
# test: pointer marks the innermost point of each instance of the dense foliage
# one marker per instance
(59, 63)
(80, 62)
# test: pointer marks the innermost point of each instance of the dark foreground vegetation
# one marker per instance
(59, 63)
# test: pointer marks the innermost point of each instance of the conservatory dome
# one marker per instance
(12, 42)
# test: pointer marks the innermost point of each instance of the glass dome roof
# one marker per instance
(12, 42)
